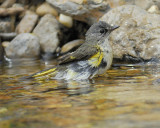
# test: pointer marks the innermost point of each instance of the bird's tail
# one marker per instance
(47, 73)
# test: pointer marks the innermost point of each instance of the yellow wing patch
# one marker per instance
(43, 73)
(72, 57)
(96, 59)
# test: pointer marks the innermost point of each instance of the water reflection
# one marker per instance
(69, 87)
(126, 94)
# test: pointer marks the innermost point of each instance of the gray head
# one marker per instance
(99, 31)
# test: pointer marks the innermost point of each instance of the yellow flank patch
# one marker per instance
(43, 73)
(72, 57)
(96, 59)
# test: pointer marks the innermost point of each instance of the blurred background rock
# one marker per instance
(45, 29)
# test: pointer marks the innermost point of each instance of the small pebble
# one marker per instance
(71, 45)
(5, 44)
(66, 20)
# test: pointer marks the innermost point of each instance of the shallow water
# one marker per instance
(127, 96)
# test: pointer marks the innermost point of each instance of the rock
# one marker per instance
(45, 8)
(28, 22)
(5, 26)
(87, 11)
(66, 20)
(8, 3)
(33, 8)
(154, 9)
(144, 4)
(47, 30)
(138, 35)
(157, 2)
(24, 45)
(18, 5)
(11, 11)
(152, 49)
(8, 36)
(58, 50)
(117, 3)
(71, 45)
(1, 1)
(5, 44)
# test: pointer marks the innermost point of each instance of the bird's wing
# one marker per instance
(83, 52)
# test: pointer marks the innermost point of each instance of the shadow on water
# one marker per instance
(126, 96)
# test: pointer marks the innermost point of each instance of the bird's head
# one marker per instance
(99, 31)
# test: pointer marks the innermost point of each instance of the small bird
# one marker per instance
(92, 58)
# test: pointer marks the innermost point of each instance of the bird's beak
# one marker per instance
(115, 27)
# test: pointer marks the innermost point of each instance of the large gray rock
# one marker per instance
(47, 30)
(144, 4)
(138, 35)
(24, 45)
(88, 11)
(117, 3)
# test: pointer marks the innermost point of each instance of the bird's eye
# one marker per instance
(102, 31)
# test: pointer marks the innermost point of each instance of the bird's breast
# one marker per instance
(96, 59)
